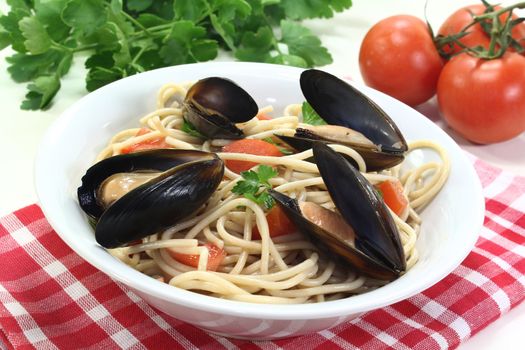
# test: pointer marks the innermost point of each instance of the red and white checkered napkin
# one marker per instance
(51, 298)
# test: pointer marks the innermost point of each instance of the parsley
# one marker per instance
(310, 116)
(188, 128)
(255, 185)
(283, 150)
(122, 38)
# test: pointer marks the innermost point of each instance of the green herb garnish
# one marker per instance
(310, 116)
(255, 185)
(122, 38)
(189, 129)
(283, 150)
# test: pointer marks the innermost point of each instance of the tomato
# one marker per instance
(398, 57)
(392, 192)
(278, 224)
(477, 36)
(154, 143)
(215, 256)
(263, 116)
(249, 146)
(484, 100)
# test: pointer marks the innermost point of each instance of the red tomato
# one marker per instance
(392, 192)
(398, 57)
(278, 224)
(484, 100)
(215, 256)
(262, 116)
(477, 36)
(249, 146)
(154, 143)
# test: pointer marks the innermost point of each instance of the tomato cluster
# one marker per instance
(482, 99)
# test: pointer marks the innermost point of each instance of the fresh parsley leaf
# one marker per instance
(48, 13)
(266, 200)
(255, 184)
(41, 92)
(10, 23)
(5, 38)
(85, 16)
(310, 116)
(290, 60)
(186, 43)
(25, 67)
(151, 20)
(127, 37)
(100, 76)
(283, 150)
(189, 129)
(192, 10)
(302, 9)
(256, 47)
(37, 40)
(139, 5)
(265, 173)
(301, 42)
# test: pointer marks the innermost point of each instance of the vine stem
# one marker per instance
(496, 30)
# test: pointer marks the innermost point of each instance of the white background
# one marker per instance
(21, 131)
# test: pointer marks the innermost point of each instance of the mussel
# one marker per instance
(134, 195)
(353, 120)
(213, 106)
(362, 233)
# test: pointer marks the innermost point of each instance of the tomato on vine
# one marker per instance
(398, 57)
(481, 91)
(484, 100)
(474, 35)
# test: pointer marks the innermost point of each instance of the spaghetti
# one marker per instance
(284, 269)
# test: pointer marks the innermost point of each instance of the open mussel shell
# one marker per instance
(187, 181)
(362, 207)
(214, 105)
(376, 249)
(146, 161)
(330, 243)
(339, 103)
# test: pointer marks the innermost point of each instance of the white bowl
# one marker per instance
(450, 223)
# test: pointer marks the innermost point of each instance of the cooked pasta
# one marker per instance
(284, 269)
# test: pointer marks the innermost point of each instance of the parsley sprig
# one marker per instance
(310, 116)
(255, 185)
(189, 129)
(127, 37)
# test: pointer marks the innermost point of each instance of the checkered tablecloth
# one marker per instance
(51, 298)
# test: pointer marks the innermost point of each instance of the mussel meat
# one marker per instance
(363, 232)
(213, 106)
(134, 195)
(353, 119)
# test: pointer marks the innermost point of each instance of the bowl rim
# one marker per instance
(353, 305)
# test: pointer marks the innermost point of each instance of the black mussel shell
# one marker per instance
(153, 160)
(339, 103)
(159, 203)
(330, 244)
(362, 208)
(213, 106)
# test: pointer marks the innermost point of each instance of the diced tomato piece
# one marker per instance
(215, 256)
(278, 224)
(154, 143)
(249, 146)
(263, 116)
(392, 192)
